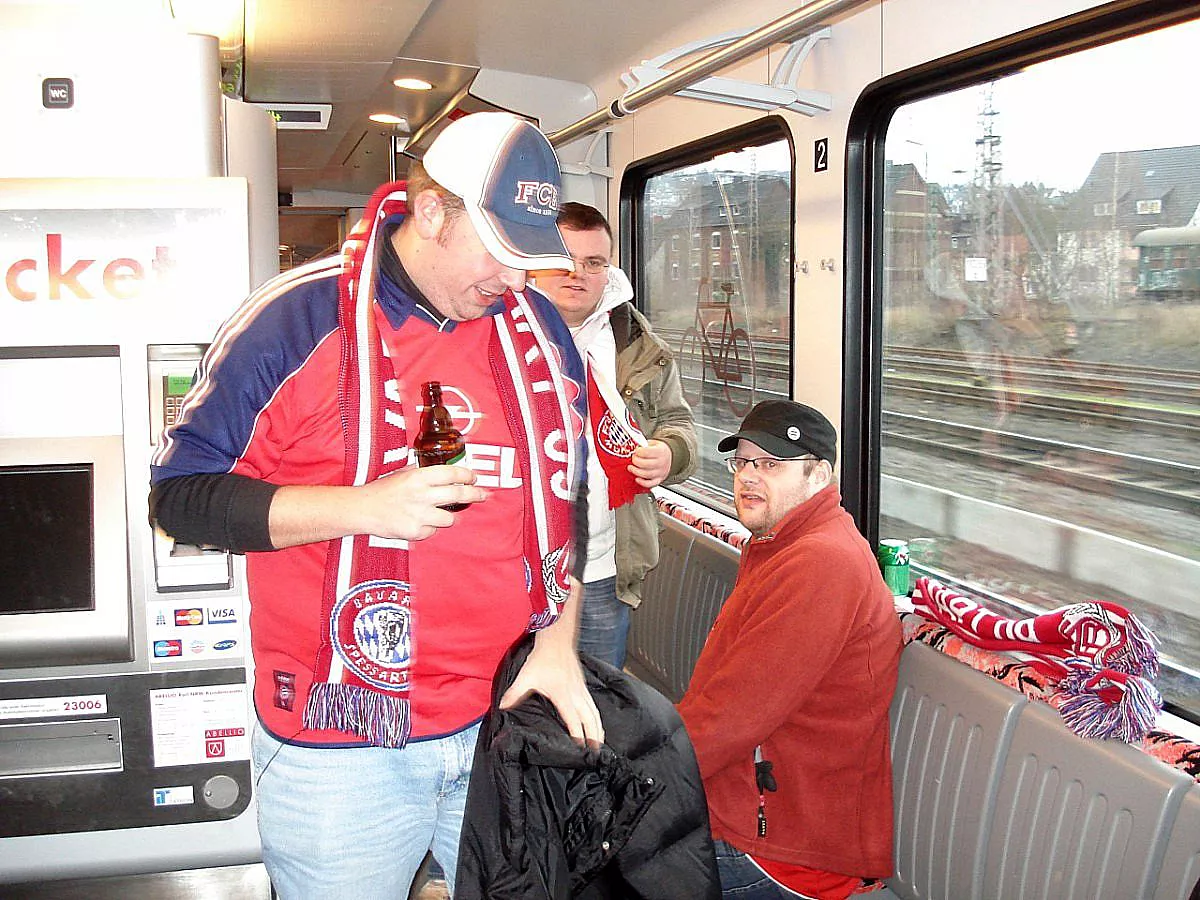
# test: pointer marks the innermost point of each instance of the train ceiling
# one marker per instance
(346, 53)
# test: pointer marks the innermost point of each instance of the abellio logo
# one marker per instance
(53, 273)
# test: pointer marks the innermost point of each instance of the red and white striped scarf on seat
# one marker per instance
(1100, 657)
(362, 675)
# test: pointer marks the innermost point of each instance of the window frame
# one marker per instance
(869, 121)
(766, 130)
(862, 352)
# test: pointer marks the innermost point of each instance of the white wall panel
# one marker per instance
(146, 102)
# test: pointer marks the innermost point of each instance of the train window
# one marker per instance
(1041, 339)
(729, 321)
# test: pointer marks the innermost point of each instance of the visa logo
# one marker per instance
(227, 644)
(221, 615)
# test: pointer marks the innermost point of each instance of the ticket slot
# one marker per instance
(60, 748)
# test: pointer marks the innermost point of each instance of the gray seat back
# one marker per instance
(1079, 818)
(1179, 875)
(680, 600)
(951, 730)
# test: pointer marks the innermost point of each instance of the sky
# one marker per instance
(1055, 118)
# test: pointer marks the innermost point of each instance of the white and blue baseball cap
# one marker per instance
(507, 175)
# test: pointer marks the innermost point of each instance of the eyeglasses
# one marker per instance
(593, 265)
(765, 464)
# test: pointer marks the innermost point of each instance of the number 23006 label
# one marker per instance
(42, 707)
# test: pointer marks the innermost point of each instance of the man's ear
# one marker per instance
(823, 471)
(427, 214)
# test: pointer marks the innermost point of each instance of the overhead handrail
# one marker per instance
(586, 166)
(783, 30)
(780, 93)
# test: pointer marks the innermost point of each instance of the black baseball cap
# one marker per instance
(786, 429)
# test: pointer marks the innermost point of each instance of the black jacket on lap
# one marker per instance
(547, 819)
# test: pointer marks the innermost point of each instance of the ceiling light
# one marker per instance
(388, 119)
(413, 84)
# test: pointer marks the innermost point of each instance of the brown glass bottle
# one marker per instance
(438, 442)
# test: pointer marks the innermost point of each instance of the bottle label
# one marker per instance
(441, 456)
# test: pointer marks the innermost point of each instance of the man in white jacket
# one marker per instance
(640, 430)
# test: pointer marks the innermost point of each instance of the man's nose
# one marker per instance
(513, 279)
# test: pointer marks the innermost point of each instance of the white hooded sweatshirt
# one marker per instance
(596, 344)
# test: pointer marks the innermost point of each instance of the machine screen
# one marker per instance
(46, 527)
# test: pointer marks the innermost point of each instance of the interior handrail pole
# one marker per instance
(783, 29)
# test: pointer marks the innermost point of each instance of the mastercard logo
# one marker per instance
(189, 617)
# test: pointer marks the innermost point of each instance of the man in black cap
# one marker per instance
(788, 705)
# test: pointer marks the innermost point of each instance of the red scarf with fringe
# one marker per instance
(1098, 654)
(362, 676)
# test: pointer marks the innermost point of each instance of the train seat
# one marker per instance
(996, 798)
(951, 733)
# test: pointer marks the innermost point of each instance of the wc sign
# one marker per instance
(58, 93)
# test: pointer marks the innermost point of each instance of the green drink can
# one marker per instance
(893, 562)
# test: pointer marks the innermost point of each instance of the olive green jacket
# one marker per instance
(648, 379)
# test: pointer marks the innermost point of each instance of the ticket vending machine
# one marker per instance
(124, 656)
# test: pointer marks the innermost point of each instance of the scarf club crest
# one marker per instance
(371, 630)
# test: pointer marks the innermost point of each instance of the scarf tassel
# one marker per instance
(1142, 657)
(383, 719)
(1107, 704)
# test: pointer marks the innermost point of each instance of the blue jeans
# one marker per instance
(603, 622)
(357, 822)
(743, 880)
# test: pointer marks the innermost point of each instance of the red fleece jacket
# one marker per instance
(802, 660)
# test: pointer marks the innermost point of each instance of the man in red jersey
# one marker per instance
(379, 618)
(788, 705)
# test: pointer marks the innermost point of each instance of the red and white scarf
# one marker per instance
(615, 437)
(362, 676)
(1099, 655)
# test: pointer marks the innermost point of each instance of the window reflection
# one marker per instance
(714, 278)
(1042, 339)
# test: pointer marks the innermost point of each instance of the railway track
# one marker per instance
(1161, 483)
(1057, 364)
(1147, 399)
(1135, 399)
(1115, 415)
(1115, 383)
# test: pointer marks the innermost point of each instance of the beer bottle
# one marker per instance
(438, 442)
